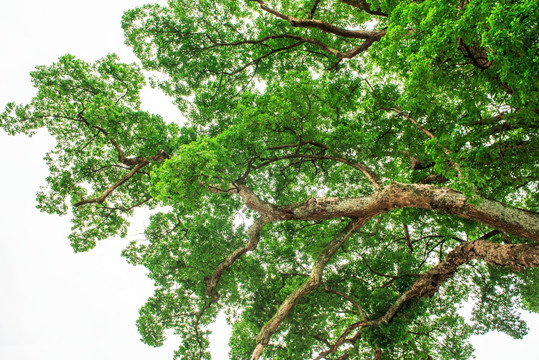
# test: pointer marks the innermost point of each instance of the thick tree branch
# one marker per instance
(254, 238)
(314, 280)
(374, 35)
(253, 202)
(515, 256)
(504, 218)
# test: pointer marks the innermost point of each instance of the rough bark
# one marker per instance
(314, 280)
(515, 256)
(503, 218)
(254, 238)
(494, 214)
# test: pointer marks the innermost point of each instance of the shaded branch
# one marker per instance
(363, 5)
(213, 280)
(391, 278)
(300, 40)
(257, 60)
(407, 237)
(314, 280)
(305, 142)
(413, 121)
(433, 179)
(359, 308)
(254, 238)
(364, 169)
(425, 131)
(515, 256)
(313, 10)
(121, 155)
(373, 35)
(341, 340)
(126, 209)
(477, 57)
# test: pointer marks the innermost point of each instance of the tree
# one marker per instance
(348, 174)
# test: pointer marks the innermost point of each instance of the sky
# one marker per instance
(56, 304)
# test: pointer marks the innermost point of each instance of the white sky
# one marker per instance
(55, 304)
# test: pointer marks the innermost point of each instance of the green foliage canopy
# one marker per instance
(349, 172)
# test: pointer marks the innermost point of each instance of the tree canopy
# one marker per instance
(348, 172)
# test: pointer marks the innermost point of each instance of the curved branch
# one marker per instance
(519, 222)
(363, 5)
(373, 35)
(407, 237)
(253, 202)
(259, 59)
(342, 339)
(213, 280)
(301, 40)
(413, 121)
(314, 280)
(254, 238)
(305, 142)
(364, 169)
(447, 152)
(127, 209)
(357, 50)
(121, 156)
(313, 10)
(358, 307)
(481, 61)
(515, 256)
(109, 191)
(392, 277)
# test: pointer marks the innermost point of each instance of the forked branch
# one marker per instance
(519, 222)
(254, 237)
(364, 169)
(314, 280)
(373, 35)
(363, 5)
(111, 189)
(515, 256)
(299, 40)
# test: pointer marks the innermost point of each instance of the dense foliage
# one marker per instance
(348, 174)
